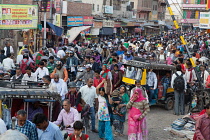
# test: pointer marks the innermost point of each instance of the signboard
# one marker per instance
(18, 16)
(108, 9)
(58, 20)
(98, 24)
(87, 20)
(74, 21)
(48, 7)
(204, 20)
(108, 23)
(117, 24)
(58, 6)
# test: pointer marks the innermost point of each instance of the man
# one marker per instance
(3, 127)
(68, 116)
(46, 129)
(138, 85)
(20, 57)
(203, 125)
(33, 109)
(18, 76)
(61, 52)
(179, 105)
(41, 71)
(190, 74)
(89, 95)
(8, 63)
(88, 73)
(128, 56)
(165, 81)
(61, 71)
(8, 49)
(51, 87)
(2, 56)
(95, 66)
(25, 62)
(51, 64)
(25, 126)
(29, 76)
(61, 86)
(72, 63)
(105, 53)
(204, 74)
(151, 84)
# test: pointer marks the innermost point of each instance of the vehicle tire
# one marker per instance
(169, 103)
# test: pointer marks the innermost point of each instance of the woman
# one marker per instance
(104, 113)
(117, 77)
(97, 57)
(120, 119)
(138, 109)
(106, 74)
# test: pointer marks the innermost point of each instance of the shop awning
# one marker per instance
(151, 27)
(75, 31)
(58, 30)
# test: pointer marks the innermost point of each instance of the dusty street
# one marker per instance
(158, 119)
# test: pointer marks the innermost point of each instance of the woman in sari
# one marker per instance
(106, 74)
(138, 109)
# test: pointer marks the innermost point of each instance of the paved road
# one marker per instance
(157, 119)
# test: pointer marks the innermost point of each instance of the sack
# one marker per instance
(179, 83)
(178, 124)
(23, 66)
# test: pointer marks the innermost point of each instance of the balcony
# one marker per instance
(146, 9)
(194, 6)
(189, 20)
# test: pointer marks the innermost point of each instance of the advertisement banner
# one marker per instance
(87, 20)
(58, 6)
(74, 21)
(204, 20)
(58, 20)
(108, 23)
(98, 24)
(18, 16)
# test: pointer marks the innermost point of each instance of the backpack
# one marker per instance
(179, 83)
(23, 66)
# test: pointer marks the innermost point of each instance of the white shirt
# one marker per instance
(3, 128)
(60, 54)
(205, 76)
(61, 87)
(42, 72)
(187, 75)
(88, 94)
(11, 50)
(52, 87)
(8, 63)
(19, 59)
(26, 78)
(152, 79)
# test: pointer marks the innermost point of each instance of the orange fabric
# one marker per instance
(65, 73)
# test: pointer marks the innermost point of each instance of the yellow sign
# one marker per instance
(58, 20)
(18, 16)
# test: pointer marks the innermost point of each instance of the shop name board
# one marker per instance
(189, 20)
(204, 21)
(18, 16)
(79, 21)
(108, 23)
(108, 9)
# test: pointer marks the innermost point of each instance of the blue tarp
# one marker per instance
(58, 30)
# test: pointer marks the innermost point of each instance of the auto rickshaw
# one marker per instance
(15, 96)
(137, 70)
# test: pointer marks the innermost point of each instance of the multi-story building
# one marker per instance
(191, 12)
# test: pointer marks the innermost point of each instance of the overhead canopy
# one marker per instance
(58, 30)
(75, 31)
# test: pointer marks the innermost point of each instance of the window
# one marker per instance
(97, 7)
(93, 8)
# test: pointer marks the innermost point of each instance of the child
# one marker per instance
(104, 113)
(116, 100)
(77, 135)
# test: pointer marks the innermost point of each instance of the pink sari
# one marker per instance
(137, 130)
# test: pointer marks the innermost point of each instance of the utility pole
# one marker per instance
(51, 11)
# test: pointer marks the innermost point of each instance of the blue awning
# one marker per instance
(58, 30)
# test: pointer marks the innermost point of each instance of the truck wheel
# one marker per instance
(169, 103)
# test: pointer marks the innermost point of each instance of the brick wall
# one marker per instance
(79, 9)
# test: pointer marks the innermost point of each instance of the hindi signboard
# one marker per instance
(75, 21)
(18, 16)
(204, 22)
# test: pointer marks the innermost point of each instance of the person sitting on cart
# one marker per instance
(33, 109)
(166, 82)
(78, 135)
(18, 76)
(68, 116)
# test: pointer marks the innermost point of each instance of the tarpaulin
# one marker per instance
(75, 31)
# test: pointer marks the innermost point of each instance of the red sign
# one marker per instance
(98, 24)
(117, 24)
(87, 20)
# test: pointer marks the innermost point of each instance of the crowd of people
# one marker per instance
(99, 66)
